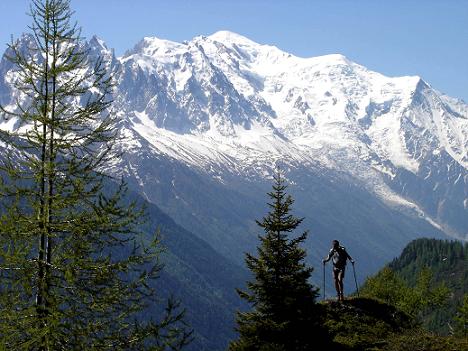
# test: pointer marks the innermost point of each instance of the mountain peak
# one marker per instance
(154, 46)
(97, 42)
(225, 36)
(152, 41)
(336, 58)
(25, 42)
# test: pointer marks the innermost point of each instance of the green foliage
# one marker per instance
(284, 315)
(440, 255)
(414, 301)
(75, 272)
(386, 286)
(447, 261)
(363, 324)
(422, 340)
(359, 323)
(427, 294)
(461, 318)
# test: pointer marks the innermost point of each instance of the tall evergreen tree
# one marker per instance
(75, 272)
(284, 315)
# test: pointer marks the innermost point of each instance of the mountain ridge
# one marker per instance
(204, 121)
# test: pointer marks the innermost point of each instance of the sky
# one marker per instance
(428, 38)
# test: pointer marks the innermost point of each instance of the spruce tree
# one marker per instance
(285, 314)
(75, 272)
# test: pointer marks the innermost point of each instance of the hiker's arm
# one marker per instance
(330, 254)
(349, 257)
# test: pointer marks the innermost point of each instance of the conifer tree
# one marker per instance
(284, 315)
(75, 272)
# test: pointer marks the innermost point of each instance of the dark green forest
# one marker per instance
(448, 262)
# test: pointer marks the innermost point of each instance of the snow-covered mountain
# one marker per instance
(373, 160)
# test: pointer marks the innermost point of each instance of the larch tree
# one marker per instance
(284, 314)
(75, 271)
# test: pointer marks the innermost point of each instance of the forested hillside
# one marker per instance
(448, 262)
(418, 301)
(428, 280)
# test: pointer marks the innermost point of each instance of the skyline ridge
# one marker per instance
(397, 39)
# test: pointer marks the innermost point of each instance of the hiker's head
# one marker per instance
(335, 244)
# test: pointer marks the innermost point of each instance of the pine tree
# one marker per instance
(284, 315)
(75, 272)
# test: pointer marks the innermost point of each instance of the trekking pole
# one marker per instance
(323, 281)
(355, 280)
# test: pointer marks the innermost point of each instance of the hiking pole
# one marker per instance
(323, 281)
(355, 280)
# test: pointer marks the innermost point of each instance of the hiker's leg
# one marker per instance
(340, 282)
(336, 274)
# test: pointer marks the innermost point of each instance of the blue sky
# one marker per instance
(428, 38)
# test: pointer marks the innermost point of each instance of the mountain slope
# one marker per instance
(448, 260)
(223, 111)
(198, 276)
(373, 161)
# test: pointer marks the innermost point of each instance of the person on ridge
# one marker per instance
(340, 257)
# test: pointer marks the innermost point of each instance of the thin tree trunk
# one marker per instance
(42, 297)
(51, 175)
(42, 180)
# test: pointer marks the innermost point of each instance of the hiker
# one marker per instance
(340, 256)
